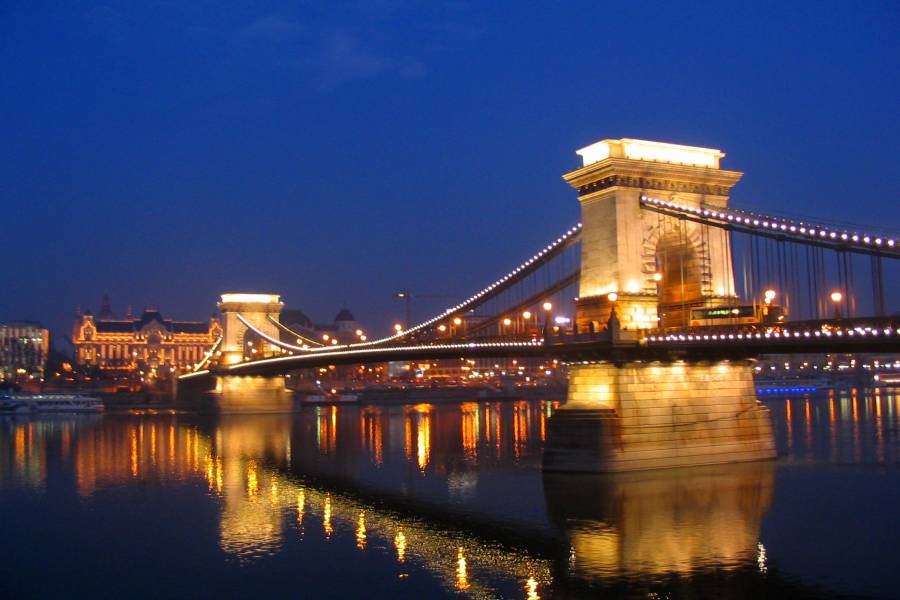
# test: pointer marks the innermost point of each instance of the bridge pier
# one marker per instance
(639, 415)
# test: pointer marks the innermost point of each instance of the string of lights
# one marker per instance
(858, 331)
(536, 343)
(524, 269)
(206, 357)
(798, 230)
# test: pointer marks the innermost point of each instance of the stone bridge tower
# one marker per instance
(255, 308)
(654, 269)
(648, 266)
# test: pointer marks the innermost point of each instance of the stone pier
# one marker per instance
(658, 415)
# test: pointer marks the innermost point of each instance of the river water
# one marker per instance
(431, 501)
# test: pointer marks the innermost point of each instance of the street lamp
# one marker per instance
(836, 298)
(657, 277)
(768, 296)
(612, 296)
(526, 315)
(547, 306)
(398, 327)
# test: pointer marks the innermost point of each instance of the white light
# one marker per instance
(251, 298)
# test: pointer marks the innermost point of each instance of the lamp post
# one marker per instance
(836, 298)
(547, 306)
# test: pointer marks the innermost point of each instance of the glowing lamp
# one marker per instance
(548, 306)
(612, 296)
(836, 297)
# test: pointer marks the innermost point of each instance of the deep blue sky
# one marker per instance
(335, 152)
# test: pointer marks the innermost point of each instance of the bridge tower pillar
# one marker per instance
(256, 309)
(653, 270)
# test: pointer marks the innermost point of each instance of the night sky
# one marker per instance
(165, 152)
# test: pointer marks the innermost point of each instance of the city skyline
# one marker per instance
(334, 154)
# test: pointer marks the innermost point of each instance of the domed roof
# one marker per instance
(344, 315)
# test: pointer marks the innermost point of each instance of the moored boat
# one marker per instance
(50, 403)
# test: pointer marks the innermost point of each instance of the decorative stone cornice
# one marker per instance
(650, 175)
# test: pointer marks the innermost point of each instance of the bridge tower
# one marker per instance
(646, 265)
(256, 309)
(651, 269)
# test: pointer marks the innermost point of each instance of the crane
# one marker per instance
(407, 298)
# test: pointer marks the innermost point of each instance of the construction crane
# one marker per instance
(407, 298)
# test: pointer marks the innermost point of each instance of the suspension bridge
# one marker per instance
(658, 301)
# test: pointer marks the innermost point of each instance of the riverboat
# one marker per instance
(49, 403)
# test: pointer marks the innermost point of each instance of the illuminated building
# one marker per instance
(345, 329)
(143, 343)
(23, 351)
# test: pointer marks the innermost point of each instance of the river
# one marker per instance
(444, 500)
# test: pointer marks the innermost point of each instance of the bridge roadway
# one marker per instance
(880, 335)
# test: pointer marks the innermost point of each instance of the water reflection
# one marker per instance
(448, 491)
(656, 523)
(839, 426)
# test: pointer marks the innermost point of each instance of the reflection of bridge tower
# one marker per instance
(637, 415)
(645, 259)
(257, 310)
(663, 522)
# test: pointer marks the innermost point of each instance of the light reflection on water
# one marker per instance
(437, 499)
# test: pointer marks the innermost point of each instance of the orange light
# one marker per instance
(836, 297)
(548, 306)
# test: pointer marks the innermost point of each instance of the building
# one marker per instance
(23, 351)
(344, 330)
(145, 343)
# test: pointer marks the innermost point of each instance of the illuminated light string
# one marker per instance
(206, 357)
(782, 226)
(786, 335)
(536, 343)
(568, 236)
(284, 327)
(477, 296)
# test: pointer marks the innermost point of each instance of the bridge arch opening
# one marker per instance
(681, 285)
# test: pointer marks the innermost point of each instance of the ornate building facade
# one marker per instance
(145, 343)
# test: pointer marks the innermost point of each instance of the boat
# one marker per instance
(50, 403)
(9, 405)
